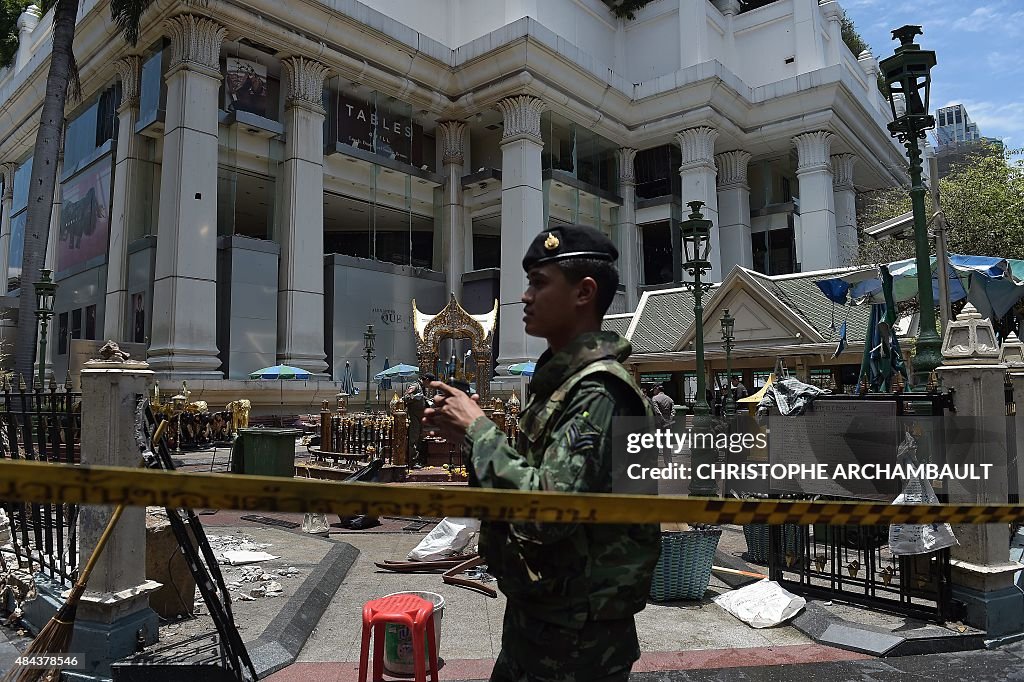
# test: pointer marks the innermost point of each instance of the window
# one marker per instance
(62, 334)
(90, 322)
(76, 323)
(657, 255)
(774, 253)
(761, 378)
(657, 171)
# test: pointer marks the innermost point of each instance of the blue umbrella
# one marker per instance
(399, 371)
(348, 383)
(522, 368)
(280, 372)
(385, 382)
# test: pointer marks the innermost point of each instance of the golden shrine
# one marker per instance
(454, 323)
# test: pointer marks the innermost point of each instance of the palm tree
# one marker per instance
(127, 14)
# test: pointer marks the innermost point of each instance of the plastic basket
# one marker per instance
(756, 535)
(684, 568)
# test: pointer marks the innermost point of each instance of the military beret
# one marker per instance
(569, 241)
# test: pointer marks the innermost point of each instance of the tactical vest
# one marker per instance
(536, 422)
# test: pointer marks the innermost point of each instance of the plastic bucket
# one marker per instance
(398, 658)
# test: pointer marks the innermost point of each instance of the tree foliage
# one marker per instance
(982, 199)
(10, 10)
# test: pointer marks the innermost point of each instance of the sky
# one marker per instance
(980, 50)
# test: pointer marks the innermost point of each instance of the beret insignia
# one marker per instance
(551, 243)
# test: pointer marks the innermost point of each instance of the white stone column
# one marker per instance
(698, 174)
(127, 176)
(807, 29)
(27, 23)
(734, 210)
(452, 135)
(115, 607)
(184, 329)
(629, 233)
(7, 170)
(845, 195)
(300, 294)
(522, 218)
(833, 15)
(694, 45)
(817, 245)
(982, 574)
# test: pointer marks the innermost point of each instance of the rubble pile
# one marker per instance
(252, 581)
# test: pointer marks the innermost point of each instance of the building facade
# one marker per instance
(254, 183)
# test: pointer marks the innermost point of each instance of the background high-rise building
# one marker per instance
(953, 126)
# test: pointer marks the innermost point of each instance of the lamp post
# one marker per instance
(368, 337)
(45, 291)
(697, 243)
(728, 325)
(908, 73)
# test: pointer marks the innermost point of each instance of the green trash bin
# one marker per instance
(265, 452)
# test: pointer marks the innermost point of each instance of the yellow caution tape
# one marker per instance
(26, 481)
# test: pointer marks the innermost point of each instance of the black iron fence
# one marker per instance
(42, 425)
(855, 563)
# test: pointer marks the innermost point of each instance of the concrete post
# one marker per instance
(300, 295)
(453, 242)
(845, 197)
(982, 571)
(127, 176)
(697, 173)
(7, 170)
(694, 45)
(833, 14)
(184, 329)
(817, 244)
(734, 210)
(114, 612)
(27, 23)
(522, 217)
(807, 30)
(629, 234)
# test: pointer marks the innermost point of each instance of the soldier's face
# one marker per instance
(550, 301)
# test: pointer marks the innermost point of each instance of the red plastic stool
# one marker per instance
(413, 612)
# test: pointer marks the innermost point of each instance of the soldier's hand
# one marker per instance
(452, 411)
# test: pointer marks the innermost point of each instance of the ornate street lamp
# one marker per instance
(45, 292)
(728, 325)
(697, 243)
(908, 74)
(368, 337)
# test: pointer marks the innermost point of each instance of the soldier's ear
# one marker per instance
(586, 291)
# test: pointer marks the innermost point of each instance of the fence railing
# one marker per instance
(43, 425)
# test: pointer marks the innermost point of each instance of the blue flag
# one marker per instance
(842, 341)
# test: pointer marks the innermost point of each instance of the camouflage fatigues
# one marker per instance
(416, 403)
(572, 588)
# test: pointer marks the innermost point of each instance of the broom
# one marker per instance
(55, 637)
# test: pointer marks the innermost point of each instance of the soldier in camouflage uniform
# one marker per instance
(572, 589)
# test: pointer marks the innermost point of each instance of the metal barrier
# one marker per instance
(42, 425)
